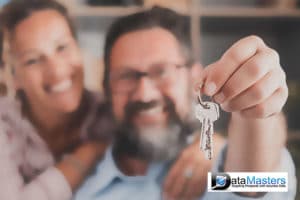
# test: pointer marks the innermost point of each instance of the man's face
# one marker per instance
(149, 82)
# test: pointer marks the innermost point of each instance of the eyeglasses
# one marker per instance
(128, 80)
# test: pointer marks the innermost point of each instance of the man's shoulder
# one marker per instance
(99, 179)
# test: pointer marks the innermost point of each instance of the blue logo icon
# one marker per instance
(221, 180)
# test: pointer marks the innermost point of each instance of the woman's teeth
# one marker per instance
(62, 86)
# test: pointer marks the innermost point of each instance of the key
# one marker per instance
(206, 113)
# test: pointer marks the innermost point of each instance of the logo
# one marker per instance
(220, 181)
(248, 182)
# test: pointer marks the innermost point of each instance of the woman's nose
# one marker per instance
(56, 69)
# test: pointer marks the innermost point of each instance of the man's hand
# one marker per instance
(248, 80)
(187, 177)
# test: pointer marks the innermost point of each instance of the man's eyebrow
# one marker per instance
(161, 62)
(125, 68)
(62, 38)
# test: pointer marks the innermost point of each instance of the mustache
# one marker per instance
(138, 105)
(134, 107)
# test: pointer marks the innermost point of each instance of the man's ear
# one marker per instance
(196, 73)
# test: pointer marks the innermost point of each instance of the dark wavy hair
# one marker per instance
(17, 10)
(160, 17)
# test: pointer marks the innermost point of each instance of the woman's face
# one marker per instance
(47, 62)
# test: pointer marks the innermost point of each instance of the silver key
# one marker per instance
(207, 113)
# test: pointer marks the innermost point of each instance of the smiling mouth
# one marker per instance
(62, 86)
(152, 116)
(152, 111)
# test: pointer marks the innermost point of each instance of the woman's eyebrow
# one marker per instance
(27, 52)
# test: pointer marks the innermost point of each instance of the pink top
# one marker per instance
(27, 169)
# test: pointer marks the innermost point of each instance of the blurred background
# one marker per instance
(216, 25)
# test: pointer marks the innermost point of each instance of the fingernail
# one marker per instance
(225, 106)
(198, 85)
(219, 98)
(210, 88)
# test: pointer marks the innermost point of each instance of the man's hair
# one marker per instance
(159, 17)
(18, 10)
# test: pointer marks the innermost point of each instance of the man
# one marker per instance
(149, 81)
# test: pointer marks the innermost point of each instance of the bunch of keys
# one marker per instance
(207, 113)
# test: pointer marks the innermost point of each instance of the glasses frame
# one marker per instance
(159, 82)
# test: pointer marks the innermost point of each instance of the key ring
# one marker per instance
(200, 100)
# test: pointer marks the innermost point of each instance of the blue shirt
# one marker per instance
(109, 183)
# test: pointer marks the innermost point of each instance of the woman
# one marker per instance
(46, 149)
(46, 135)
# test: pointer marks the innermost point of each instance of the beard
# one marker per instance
(152, 143)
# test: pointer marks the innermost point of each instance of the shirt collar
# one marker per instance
(107, 171)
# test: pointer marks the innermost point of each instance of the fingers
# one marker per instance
(196, 185)
(217, 74)
(271, 106)
(182, 185)
(247, 75)
(256, 94)
(176, 170)
(245, 79)
(176, 180)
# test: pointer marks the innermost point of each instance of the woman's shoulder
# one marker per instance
(10, 101)
(11, 119)
(20, 139)
(11, 125)
(10, 109)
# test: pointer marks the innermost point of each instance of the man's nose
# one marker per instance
(56, 69)
(146, 91)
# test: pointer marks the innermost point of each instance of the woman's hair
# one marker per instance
(1, 50)
(3, 88)
(17, 10)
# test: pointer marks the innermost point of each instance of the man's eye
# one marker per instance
(128, 76)
(61, 47)
(31, 62)
(159, 72)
